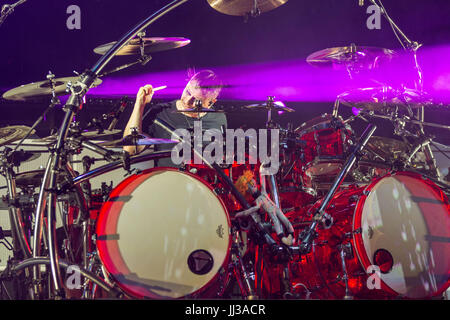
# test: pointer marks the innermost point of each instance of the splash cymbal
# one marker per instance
(150, 45)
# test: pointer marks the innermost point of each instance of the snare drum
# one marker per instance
(165, 234)
(394, 237)
(327, 141)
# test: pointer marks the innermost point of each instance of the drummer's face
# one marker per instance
(191, 93)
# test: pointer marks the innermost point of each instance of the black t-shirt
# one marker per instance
(167, 112)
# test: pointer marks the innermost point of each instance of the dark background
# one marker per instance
(35, 39)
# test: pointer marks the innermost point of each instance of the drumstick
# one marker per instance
(154, 89)
(159, 88)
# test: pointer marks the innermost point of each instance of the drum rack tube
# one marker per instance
(64, 264)
(308, 234)
(117, 165)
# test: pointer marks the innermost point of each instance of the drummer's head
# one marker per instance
(204, 86)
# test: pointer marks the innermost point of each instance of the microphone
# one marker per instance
(123, 104)
(198, 104)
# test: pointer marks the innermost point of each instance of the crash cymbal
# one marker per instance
(387, 148)
(244, 7)
(356, 56)
(151, 45)
(136, 140)
(13, 133)
(42, 89)
(276, 105)
(379, 98)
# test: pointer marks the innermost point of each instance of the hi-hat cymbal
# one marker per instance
(355, 56)
(379, 98)
(136, 140)
(13, 133)
(42, 89)
(244, 7)
(150, 45)
(276, 105)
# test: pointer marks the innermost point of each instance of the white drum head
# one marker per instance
(163, 234)
(405, 226)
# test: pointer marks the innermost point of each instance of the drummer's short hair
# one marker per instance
(208, 82)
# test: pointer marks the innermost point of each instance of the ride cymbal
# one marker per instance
(150, 45)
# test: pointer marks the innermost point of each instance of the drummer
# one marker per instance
(203, 88)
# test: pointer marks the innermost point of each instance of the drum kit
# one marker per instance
(371, 214)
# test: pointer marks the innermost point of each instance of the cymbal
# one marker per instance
(151, 45)
(379, 98)
(13, 133)
(91, 135)
(387, 148)
(24, 156)
(42, 89)
(276, 105)
(244, 7)
(105, 134)
(200, 110)
(33, 178)
(356, 56)
(136, 140)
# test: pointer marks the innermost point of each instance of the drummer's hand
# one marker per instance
(144, 95)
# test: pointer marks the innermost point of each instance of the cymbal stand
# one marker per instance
(7, 9)
(21, 247)
(423, 141)
(413, 46)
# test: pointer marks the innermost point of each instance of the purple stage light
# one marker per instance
(296, 80)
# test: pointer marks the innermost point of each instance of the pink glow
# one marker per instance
(296, 80)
